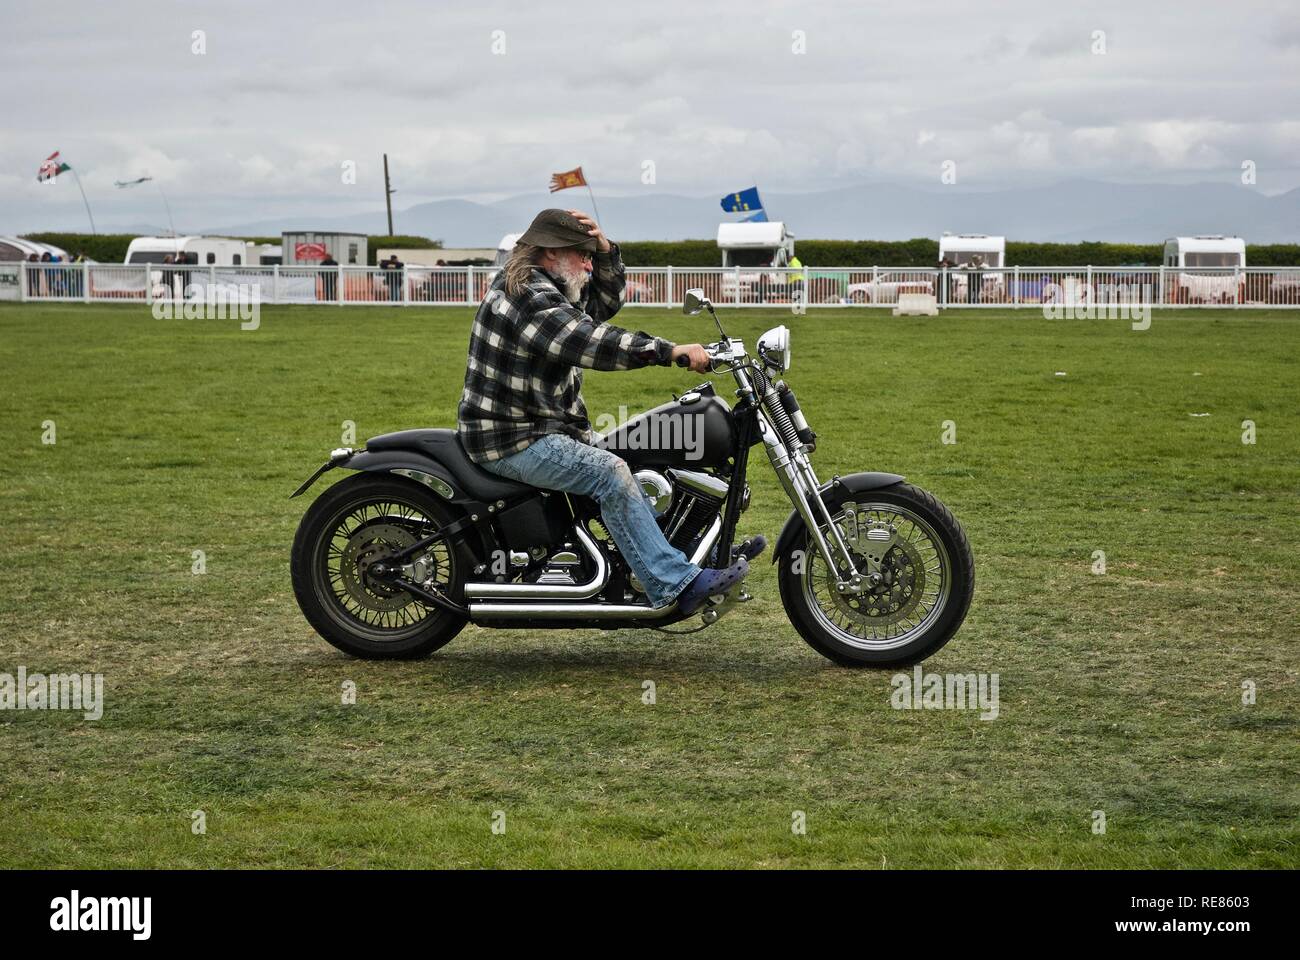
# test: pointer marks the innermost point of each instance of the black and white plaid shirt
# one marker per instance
(523, 380)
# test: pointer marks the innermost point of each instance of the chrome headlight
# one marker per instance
(774, 348)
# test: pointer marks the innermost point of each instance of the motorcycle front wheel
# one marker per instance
(919, 590)
(352, 526)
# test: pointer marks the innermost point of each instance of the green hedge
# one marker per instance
(111, 247)
(919, 252)
(104, 247)
(680, 253)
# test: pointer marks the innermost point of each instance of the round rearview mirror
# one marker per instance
(694, 301)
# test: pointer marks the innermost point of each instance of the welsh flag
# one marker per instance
(51, 167)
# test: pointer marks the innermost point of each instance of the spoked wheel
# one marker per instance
(918, 575)
(346, 538)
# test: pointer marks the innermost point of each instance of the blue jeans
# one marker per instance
(559, 462)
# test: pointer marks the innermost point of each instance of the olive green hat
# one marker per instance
(558, 228)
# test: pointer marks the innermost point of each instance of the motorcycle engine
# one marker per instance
(657, 490)
(696, 499)
(685, 503)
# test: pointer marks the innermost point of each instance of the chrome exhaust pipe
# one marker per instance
(550, 591)
(541, 609)
(535, 610)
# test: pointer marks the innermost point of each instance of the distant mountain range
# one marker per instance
(1066, 212)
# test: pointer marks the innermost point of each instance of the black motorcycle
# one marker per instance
(394, 561)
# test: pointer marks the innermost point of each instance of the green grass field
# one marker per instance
(1120, 692)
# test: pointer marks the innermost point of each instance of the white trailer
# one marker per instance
(961, 249)
(216, 251)
(188, 279)
(1209, 267)
(749, 246)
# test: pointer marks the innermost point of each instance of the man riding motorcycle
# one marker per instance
(521, 415)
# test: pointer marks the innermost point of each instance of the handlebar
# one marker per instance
(712, 349)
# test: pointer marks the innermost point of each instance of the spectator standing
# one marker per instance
(168, 275)
(77, 275)
(796, 280)
(943, 283)
(329, 278)
(49, 287)
(394, 277)
(975, 281)
(33, 276)
(186, 258)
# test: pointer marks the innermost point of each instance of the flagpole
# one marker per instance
(93, 231)
(170, 222)
(595, 209)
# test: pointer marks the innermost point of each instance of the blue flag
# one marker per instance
(759, 217)
(745, 200)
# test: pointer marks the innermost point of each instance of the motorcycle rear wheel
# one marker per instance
(927, 581)
(350, 526)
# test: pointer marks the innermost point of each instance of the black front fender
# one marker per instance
(830, 492)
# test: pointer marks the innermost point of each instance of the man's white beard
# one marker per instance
(572, 283)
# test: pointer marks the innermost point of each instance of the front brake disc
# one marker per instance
(901, 585)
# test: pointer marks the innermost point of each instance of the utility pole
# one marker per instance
(388, 196)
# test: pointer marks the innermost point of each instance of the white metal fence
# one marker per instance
(1065, 287)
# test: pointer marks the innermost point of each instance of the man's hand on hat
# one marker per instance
(593, 228)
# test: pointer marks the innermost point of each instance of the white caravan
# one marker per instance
(961, 249)
(1208, 267)
(753, 245)
(217, 251)
(191, 279)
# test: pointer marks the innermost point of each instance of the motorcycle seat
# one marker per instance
(443, 446)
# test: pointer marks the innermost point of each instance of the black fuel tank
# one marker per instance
(692, 432)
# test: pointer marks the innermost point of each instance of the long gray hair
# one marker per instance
(519, 266)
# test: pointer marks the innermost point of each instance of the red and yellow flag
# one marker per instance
(570, 178)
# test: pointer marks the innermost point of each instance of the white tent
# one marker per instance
(18, 248)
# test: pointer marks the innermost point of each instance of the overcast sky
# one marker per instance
(715, 96)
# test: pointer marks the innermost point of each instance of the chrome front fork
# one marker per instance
(800, 482)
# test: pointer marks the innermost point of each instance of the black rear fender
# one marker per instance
(417, 468)
(408, 463)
